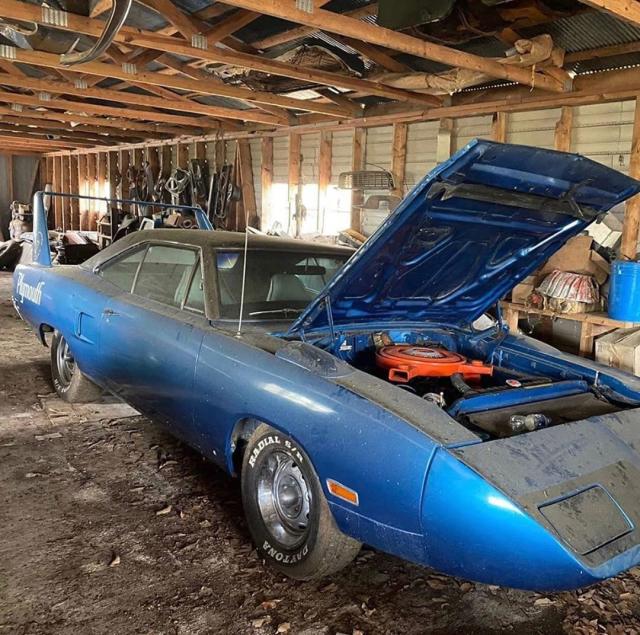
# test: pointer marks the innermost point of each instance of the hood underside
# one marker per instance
(466, 235)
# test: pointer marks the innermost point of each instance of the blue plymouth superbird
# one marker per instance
(383, 404)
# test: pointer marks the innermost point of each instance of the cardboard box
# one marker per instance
(578, 257)
(620, 349)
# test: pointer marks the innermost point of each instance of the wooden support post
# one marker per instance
(499, 127)
(200, 150)
(42, 171)
(562, 135)
(48, 175)
(631, 226)
(153, 159)
(92, 179)
(66, 188)
(165, 163)
(266, 173)
(357, 163)
(399, 158)
(295, 166)
(112, 173)
(102, 175)
(124, 160)
(83, 188)
(74, 188)
(138, 158)
(182, 154)
(324, 176)
(445, 138)
(57, 187)
(10, 177)
(246, 179)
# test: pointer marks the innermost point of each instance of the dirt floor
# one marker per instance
(109, 525)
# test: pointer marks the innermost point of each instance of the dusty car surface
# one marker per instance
(379, 405)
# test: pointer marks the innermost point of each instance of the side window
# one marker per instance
(195, 298)
(165, 274)
(122, 271)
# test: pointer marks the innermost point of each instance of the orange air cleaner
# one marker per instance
(406, 362)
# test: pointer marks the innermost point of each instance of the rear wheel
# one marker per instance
(288, 515)
(68, 380)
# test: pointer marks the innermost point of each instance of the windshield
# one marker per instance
(279, 284)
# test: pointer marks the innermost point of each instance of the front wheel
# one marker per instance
(68, 380)
(288, 515)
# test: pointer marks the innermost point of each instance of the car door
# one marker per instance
(150, 337)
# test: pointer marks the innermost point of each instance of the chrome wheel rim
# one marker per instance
(284, 499)
(65, 363)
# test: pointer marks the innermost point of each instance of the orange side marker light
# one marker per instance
(343, 492)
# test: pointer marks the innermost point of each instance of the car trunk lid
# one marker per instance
(467, 234)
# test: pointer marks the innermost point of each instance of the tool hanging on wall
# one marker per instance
(222, 193)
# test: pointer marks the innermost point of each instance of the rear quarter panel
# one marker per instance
(66, 298)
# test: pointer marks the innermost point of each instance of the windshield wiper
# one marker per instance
(286, 311)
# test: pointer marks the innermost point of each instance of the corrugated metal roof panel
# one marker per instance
(584, 31)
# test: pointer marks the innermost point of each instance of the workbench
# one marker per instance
(591, 324)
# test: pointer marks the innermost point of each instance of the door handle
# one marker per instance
(109, 313)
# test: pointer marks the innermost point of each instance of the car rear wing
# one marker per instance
(42, 204)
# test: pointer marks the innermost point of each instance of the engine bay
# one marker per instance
(492, 399)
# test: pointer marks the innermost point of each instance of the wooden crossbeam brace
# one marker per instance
(148, 130)
(347, 26)
(190, 124)
(49, 60)
(14, 9)
(214, 112)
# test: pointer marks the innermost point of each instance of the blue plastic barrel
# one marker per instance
(624, 291)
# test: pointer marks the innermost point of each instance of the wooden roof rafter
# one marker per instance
(340, 24)
(124, 126)
(15, 9)
(25, 118)
(175, 124)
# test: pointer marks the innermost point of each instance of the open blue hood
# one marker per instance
(466, 235)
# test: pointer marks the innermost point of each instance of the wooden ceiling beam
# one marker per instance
(230, 25)
(298, 32)
(375, 54)
(197, 73)
(14, 9)
(147, 130)
(372, 34)
(100, 69)
(80, 139)
(627, 10)
(50, 60)
(177, 18)
(113, 136)
(237, 20)
(190, 123)
(100, 7)
(41, 144)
